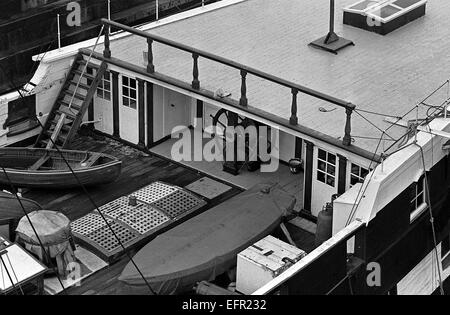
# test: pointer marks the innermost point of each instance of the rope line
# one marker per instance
(430, 209)
(358, 199)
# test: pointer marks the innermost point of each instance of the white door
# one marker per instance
(128, 109)
(176, 111)
(103, 112)
(325, 179)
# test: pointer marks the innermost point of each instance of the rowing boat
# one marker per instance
(48, 169)
(207, 245)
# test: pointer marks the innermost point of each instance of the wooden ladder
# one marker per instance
(71, 105)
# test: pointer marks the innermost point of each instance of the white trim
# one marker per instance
(372, 10)
(418, 212)
(370, 7)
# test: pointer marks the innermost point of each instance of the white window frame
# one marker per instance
(327, 165)
(358, 176)
(127, 100)
(102, 89)
(422, 206)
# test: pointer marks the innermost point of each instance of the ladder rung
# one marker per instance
(68, 115)
(87, 75)
(80, 85)
(76, 95)
(73, 106)
(64, 127)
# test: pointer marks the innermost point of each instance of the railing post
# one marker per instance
(150, 65)
(348, 125)
(244, 101)
(59, 31)
(157, 10)
(107, 50)
(294, 118)
(195, 82)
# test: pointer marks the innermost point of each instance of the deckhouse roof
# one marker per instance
(383, 74)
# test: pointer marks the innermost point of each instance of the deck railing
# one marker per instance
(327, 269)
(243, 69)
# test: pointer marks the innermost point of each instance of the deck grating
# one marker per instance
(157, 205)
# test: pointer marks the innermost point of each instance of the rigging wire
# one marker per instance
(375, 113)
(430, 209)
(371, 138)
(356, 203)
(88, 196)
(371, 123)
(46, 253)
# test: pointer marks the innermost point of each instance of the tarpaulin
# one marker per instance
(207, 245)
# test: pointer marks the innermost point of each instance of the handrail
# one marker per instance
(244, 71)
(233, 64)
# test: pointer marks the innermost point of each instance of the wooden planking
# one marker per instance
(375, 74)
(139, 170)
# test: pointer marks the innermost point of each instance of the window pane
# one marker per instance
(330, 181)
(126, 102)
(133, 94)
(332, 159)
(107, 86)
(420, 199)
(133, 104)
(125, 81)
(354, 180)
(321, 166)
(331, 170)
(364, 172)
(133, 83)
(107, 96)
(321, 177)
(322, 155)
(107, 76)
(355, 169)
(125, 92)
(420, 185)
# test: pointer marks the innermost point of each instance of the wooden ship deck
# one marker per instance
(139, 170)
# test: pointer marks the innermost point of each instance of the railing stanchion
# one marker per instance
(348, 125)
(107, 50)
(244, 100)
(195, 82)
(59, 31)
(157, 10)
(150, 66)
(294, 118)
